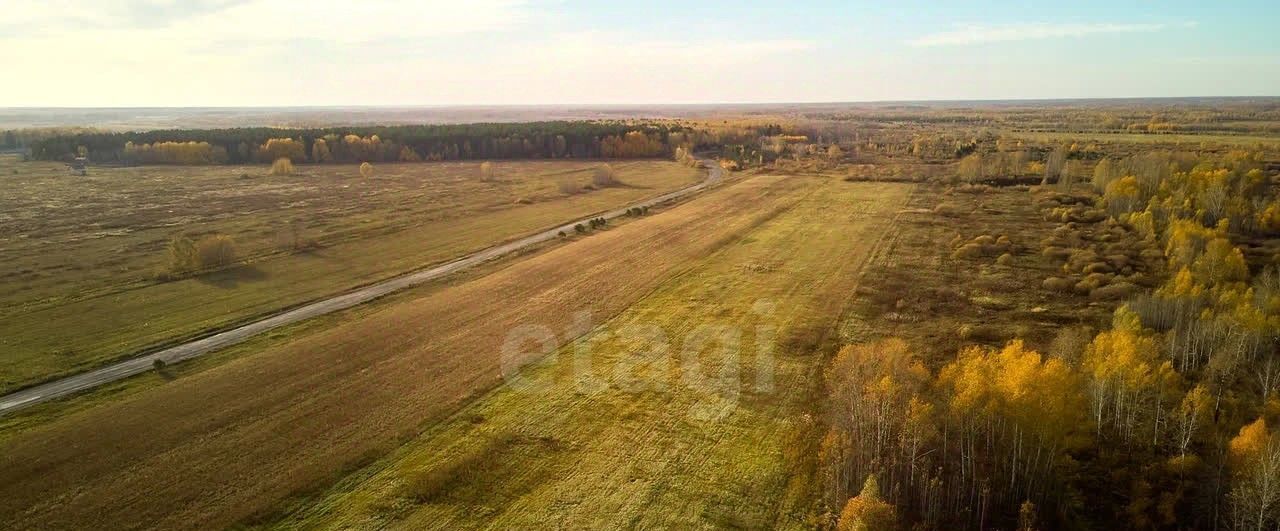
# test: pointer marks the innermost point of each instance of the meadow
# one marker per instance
(717, 443)
(1040, 316)
(232, 442)
(83, 253)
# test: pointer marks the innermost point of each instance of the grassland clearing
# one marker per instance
(652, 441)
(82, 252)
(1148, 140)
(231, 442)
(941, 300)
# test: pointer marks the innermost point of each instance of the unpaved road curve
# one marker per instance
(192, 349)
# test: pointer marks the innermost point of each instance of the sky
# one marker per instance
(129, 53)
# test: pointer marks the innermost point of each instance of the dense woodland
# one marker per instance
(1167, 418)
(376, 144)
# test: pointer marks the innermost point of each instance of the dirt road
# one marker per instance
(185, 351)
(225, 444)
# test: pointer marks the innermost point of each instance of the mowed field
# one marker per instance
(235, 442)
(691, 409)
(80, 255)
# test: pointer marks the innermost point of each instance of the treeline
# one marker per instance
(12, 139)
(377, 144)
(1166, 420)
(1229, 116)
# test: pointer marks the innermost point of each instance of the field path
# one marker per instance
(185, 351)
(231, 442)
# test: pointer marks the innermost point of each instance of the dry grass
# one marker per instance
(78, 285)
(231, 442)
(987, 287)
(639, 452)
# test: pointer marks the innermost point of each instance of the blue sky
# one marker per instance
(431, 52)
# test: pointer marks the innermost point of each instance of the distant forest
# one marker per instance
(560, 139)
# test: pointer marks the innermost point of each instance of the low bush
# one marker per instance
(215, 251)
(604, 176)
(187, 257)
(282, 166)
(1059, 284)
(569, 186)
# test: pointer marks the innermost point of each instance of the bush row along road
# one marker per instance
(199, 347)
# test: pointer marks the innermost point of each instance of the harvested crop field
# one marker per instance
(690, 409)
(81, 253)
(234, 442)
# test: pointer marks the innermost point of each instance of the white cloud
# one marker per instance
(1021, 32)
(270, 20)
(280, 52)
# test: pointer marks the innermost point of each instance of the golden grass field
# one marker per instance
(236, 441)
(654, 442)
(81, 253)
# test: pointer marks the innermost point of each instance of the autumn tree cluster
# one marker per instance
(182, 153)
(965, 447)
(1165, 419)
(596, 139)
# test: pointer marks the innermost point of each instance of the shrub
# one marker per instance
(158, 365)
(366, 170)
(968, 250)
(604, 176)
(950, 209)
(1056, 253)
(569, 186)
(1116, 291)
(214, 251)
(186, 257)
(282, 166)
(580, 228)
(182, 256)
(1058, 284)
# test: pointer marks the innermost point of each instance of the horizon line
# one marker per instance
(641, 104)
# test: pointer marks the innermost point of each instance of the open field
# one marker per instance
(941, 303)
(81, 253)
(231, 442)
(1168, 140)
(642, 437)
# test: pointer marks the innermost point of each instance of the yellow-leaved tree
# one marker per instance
(1254, 457)
(868, 510)
(1129, 382)
(1013, 415)
(320, 151)
(282, 166)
